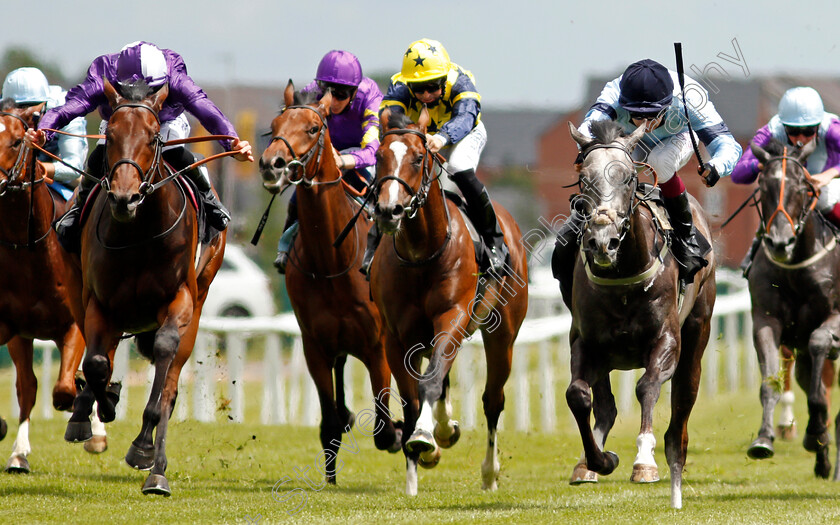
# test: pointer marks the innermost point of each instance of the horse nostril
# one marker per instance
(613, 244)
(279, 163)
(136, 197)
(398, 211)
(592, 245)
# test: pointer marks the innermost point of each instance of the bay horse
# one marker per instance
(141, 274)
(795, 296)
(330, 297)
(626, 312)
(432, 294)
(35, 286)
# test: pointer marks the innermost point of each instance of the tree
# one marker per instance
(15, 57)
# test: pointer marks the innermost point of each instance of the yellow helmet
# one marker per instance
(424, 60)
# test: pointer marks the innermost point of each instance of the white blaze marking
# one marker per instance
(399, 150)
(2, 127)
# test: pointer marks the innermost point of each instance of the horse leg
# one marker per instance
(320, 369)
(684, 386)
(823, 342)
(603, 406)
(498, 350)
(386, 436)
(72, 349)
(173, 344)
(661, 366)
(26, 385)
(766, 335)
(98, 443)
(447, 430)
(786, 427)
(141, 452)
(579, 399)
(407, 385)
(345, 415)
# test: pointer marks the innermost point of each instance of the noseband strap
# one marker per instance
(303, 162)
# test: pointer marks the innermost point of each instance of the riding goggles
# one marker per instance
(339, 91)
(795, 131)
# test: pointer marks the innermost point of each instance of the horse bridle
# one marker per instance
(419, 197)
(146, 186)
(302, 163)
(18, 167)
(780, 207)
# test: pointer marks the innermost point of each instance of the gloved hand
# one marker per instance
(710, 175)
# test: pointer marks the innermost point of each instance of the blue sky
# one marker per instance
(527, 53)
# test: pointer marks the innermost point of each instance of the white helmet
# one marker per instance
(26, 85)
(801, 106)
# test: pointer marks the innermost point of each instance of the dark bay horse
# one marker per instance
(431, 292)
(141, 274)
(626, 312)
(34, 281)
(795, 295)
(330, 297)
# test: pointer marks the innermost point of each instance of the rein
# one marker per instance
(780, 207)
(302, 163)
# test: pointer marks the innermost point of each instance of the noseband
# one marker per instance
(146, 186)
(302, 163)
(780, 207)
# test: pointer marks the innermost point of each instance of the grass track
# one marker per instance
(224, 473)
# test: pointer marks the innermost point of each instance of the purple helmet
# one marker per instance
(340, 67)
(142, 61)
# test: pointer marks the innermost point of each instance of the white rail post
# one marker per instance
(710, 368)
(271, 407)
(750, 358)
(549, 410)
(204, 397)
(235, 342)
(732, 349)
(521, 358)
(467, 373)
(44, 387)
(121, 361)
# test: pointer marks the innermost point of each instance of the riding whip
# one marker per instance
(713, 176)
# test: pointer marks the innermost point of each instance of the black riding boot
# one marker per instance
(217, 215)
(373, 238)
(68, 227)
(483, 216)
(746, 264)
(288, 238)
(688, 246)
(566, 249)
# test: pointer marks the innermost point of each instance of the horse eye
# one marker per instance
(313, 130)
(417, 160)
(17, 143)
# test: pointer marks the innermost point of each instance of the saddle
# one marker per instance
(481, 250)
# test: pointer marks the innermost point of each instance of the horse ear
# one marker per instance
(634, 138)
(579, 137)
(384, 119)
(29, 113)
(424, 119)
(806, 150)
(324, 104)
(111, 94)
(159, 96)
(759, 153)
(289, 94)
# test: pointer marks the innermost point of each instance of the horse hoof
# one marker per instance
(421, 441)
(644, 474)
(396, 446)
(814, 443)
(453, 438)
(429, 460)
(786, 432)
(610, 464)
(97, 444)
(63, 400)
(761, 448)
(156, 484)
(78, 431)
(17, 465)
(141, 458)
(581, 475)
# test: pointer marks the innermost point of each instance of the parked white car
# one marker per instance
(240, 289)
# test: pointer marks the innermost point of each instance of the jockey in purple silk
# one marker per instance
(354, 130)
(143, 62)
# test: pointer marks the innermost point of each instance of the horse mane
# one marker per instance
(605, 131)
(399, 121)
(135, 91)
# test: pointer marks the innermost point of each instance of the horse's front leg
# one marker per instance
(102, 339)
(822, 344)
(662, 362)
(579, 399)
(403, 367)
(321, 370)
(21, 351)
(603, 405)
(71, 349)
(387, 436)
(766, 336)
(173, 344)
